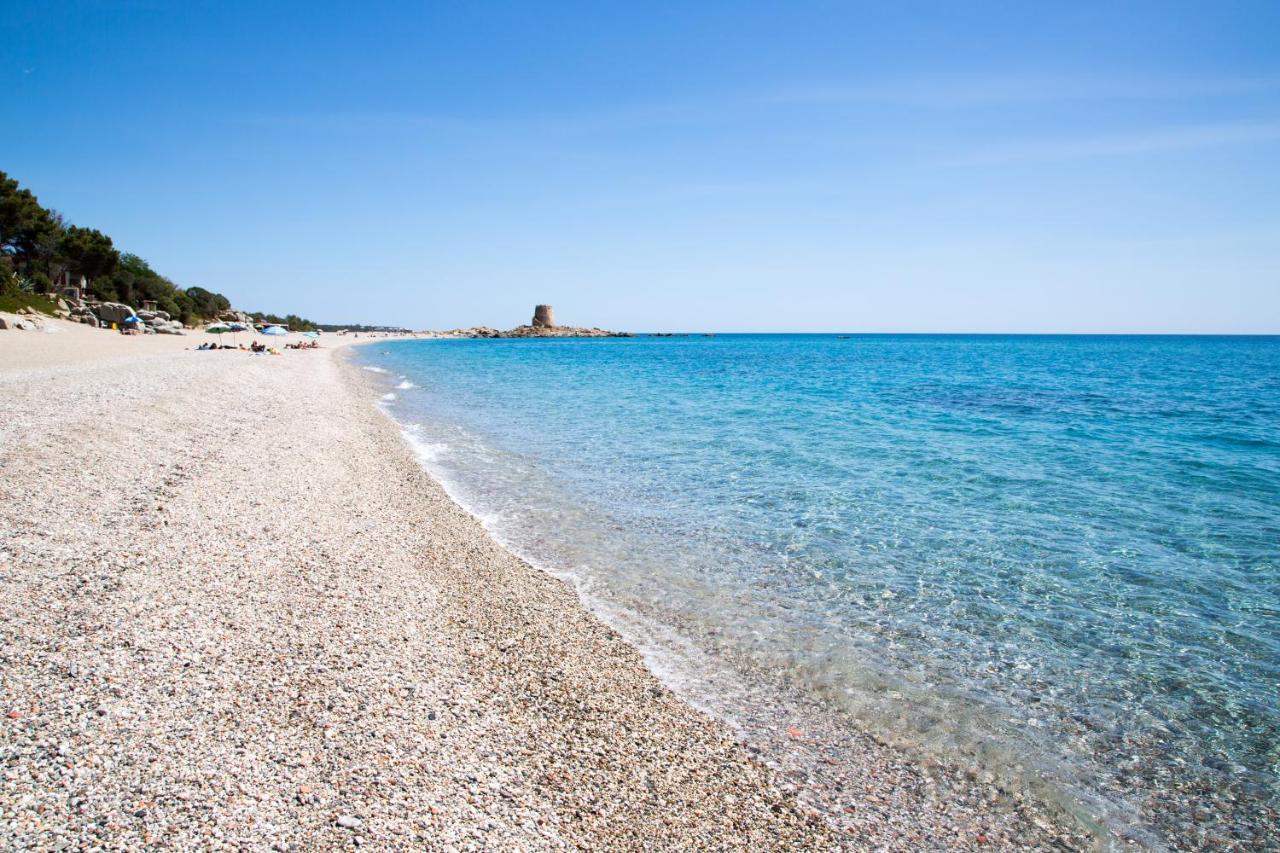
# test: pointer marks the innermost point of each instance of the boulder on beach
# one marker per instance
(114, 312)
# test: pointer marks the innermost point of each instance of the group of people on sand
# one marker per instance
(259, 347)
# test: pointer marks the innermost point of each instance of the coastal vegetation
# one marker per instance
(38, 246)
(293, 321)
(14, 301)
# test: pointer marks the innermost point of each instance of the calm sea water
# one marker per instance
(1056, 556)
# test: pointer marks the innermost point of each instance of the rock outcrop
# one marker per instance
(526, 332)
(114, 312)
(83, 314)
(23, 322)
(234, 316)
(561, 332)
(161, 323)
(543, 326)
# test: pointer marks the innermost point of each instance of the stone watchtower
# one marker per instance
(544, 317)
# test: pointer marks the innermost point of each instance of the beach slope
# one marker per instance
(236, 612)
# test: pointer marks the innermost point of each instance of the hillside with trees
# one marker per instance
(38, 245)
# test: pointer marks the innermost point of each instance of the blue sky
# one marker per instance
(730, 166)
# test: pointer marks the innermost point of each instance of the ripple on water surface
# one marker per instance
(1053, 553)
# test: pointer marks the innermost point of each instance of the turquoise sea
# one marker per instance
(1056, 559)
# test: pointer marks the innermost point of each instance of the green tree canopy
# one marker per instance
(207, 304)
(37, 244)
(23, 222)
(88, 251)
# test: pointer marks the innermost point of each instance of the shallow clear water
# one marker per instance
(1053, 554)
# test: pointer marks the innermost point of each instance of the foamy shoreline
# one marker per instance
(238, 613)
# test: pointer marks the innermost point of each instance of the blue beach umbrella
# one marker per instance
(274, 331)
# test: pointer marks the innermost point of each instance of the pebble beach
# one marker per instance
(238, 614)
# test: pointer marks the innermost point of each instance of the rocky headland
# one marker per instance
(525, 332)
(542, 326)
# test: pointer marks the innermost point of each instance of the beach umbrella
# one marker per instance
(274, 331)
(236, 328)
(218, 328)
(311, 334)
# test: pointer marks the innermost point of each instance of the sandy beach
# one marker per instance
(237, 613)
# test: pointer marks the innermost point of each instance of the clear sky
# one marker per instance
(734, 166)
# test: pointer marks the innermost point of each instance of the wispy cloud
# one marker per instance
(969, 91)
(363, 121)
(718, 111)
(1122, 144)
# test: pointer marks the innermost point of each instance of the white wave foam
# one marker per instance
(673, 659)
(389, 396)
(405, 385)
(426, 451)
(376, 370)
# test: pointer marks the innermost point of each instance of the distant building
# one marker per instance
(71, 285)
